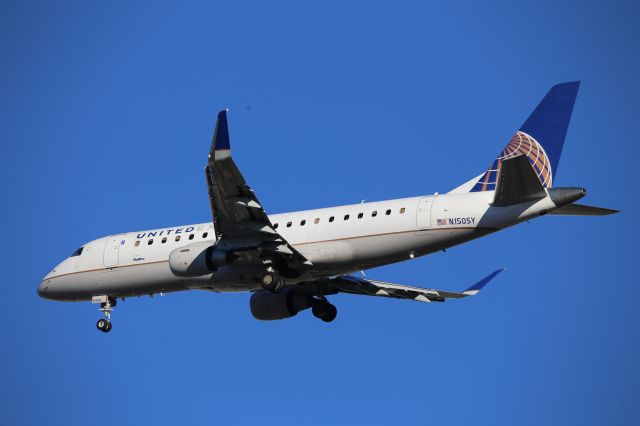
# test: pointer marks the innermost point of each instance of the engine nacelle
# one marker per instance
(269, 306)
(198, 259)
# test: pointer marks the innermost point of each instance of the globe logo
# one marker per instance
(520, 144)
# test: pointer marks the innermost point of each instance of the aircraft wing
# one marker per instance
(357, 285)
(240, 221)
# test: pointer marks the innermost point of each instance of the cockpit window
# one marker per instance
(77, 252)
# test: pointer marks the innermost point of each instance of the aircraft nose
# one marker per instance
(43, 288)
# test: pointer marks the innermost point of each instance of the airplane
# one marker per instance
(292, 261)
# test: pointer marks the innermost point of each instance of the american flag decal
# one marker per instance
(442, 222)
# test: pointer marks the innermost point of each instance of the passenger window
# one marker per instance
(164, 240)
(317, 220)
(191, 236)
(388, 212)
(150, 241)
(402, 210)
(374, 214)
(77, 252)
(137, 243)
(331, 219)
(303, 222)
(275, 226)
(346, 217)
(177, 237)
(289, 224)
(205, 235)
(360, 215)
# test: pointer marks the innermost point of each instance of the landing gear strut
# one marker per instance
(106, 306)
(324, 310)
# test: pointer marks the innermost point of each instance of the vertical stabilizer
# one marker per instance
(540, 138)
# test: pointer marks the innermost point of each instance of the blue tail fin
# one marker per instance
(540, 138)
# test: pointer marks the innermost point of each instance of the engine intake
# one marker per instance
(198, 259)
(267, 306)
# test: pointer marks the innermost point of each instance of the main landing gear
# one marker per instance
(272, 281)
(324, 310)
(106, 306)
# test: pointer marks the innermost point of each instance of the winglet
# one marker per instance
(220, 146)
(475, 289)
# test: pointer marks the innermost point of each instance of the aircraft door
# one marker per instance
(439, 211)
(423, 216)
(112, 252)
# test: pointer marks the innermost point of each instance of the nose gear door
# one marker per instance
(111, 252)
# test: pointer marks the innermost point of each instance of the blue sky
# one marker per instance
(106, 116)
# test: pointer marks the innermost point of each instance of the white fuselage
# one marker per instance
(336, 240)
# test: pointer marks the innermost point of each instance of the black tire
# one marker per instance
(108, 327)
(331, 312)
(318, 309)
(279, 285)
(268, 281)
(272, 282)
(324, 310)
(102, 324)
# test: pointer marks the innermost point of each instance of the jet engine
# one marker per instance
(198, 259)
(268, 306)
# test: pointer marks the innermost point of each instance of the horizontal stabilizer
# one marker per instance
(517, 182)
(582, 210)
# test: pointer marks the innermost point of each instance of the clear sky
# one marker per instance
(106, 116)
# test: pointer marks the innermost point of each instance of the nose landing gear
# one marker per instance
(106, 306)
(104, 325)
